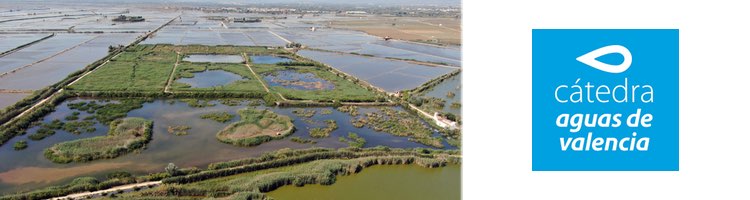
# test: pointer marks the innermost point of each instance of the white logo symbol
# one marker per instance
(590, 59)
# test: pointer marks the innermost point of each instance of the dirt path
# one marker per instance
(277, 35)
(247, 64)
(85, 195)
(171, 75)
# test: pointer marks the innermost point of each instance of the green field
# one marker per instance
(148, 68)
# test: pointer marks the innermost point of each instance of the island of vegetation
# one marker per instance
(222, 117)
(326, 131)
(256, 127)
(124, 136)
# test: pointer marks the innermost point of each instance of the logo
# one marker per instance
(590, 59)
(605, 100)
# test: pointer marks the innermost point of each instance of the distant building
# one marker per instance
(356, 12)
(123, 18)
(218, 18)
(246, 20)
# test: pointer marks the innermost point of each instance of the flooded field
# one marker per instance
(42, 71)
(383, 182)
(269, 59)
(195, 28)
(210, 78)
(39, 51)
(214, 58)
(166, 147)
(390, 75)
(185, 130)
(358, 42)
(452, 85)
(8, 42)
(7, 99)
(299, 81)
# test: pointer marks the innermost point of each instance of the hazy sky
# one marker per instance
(368, 2)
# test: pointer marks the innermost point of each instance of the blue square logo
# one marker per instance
(605, 100)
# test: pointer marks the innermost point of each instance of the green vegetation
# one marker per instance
(326, 111)
(172, 169)
(20, 145)
(139, 68)
(251, 178)
(256, 127)
(125, 135)
(324, 132)
(230, 102)
(301, 112)
(74, 127)
(455, 105)
(352, 110)
(109, 111)
(353, 140)
(222, 117)
(46, 130)
(147, 68)
(428, 103)
(72, 116)
(399, 123)
(450, 94)
(178, 130)
(78, 127)
(247, 83)
(198, 103)
(303, 140)
(344, 90)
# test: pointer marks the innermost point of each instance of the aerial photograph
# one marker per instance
(230, 99)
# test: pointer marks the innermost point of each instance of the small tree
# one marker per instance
(450, 116)
(172, 169)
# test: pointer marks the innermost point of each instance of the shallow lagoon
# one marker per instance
(210, 78)
(440, 90)
(298, 81)
(31, 170)
(269, 59)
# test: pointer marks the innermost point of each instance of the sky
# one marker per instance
(239, 2)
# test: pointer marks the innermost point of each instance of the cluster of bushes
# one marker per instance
(317, 172)
(302, 140)
(222, 117)
(125, 135)
(373, 157)
(85, 184)
(324, 132)
(18, 126)
(399, 123)
(354, 140)
(351, 160)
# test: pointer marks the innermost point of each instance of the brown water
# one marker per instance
(199, 148)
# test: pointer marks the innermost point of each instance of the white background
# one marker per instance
(714, 100)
